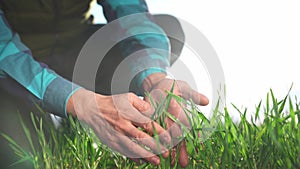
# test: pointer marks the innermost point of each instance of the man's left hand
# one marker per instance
(156, 85)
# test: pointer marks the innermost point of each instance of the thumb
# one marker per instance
(140, 105)
(130, 106)
(198, 98)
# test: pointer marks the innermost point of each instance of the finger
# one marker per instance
(138, 103)
(137, 151)
(147, 140)
(197, 98)
(128, 106)
(189, 93)
(179, 113)
(183, 155)
(147, 99)
(173, 128)
(173, 156)
(120, 142)
(176, 132)
(126, 146)
(138, 161)
(153, 128)
(148, 113)
(180, 156)
(157, 95)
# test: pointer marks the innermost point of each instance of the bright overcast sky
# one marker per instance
(257, 41)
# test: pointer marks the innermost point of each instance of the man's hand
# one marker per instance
(156, 84)
(115, 119)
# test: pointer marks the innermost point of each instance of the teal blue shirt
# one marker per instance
(157, 39)
(52, 90)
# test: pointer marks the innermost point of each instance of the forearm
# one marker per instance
(49, 89)
(145, 37)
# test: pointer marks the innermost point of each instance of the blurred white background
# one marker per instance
(258, 43)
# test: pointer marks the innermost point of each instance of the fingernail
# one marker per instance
(156, 161)
(166, 154)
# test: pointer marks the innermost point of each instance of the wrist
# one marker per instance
(83, 100)
(70, 106)
(152, 80)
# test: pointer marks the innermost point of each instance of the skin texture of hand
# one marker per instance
(156, 85)
(115, 120)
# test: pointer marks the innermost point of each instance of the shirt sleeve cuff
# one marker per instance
(57, 95)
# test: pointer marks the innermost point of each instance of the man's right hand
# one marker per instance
(116, 120)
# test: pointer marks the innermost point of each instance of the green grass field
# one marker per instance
(271, 144)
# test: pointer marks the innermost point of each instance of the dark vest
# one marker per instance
(42, 23)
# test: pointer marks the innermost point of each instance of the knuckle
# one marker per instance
(183, 83)
(131, 94)
(141, 135)
(174, 105)
(148, 126)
